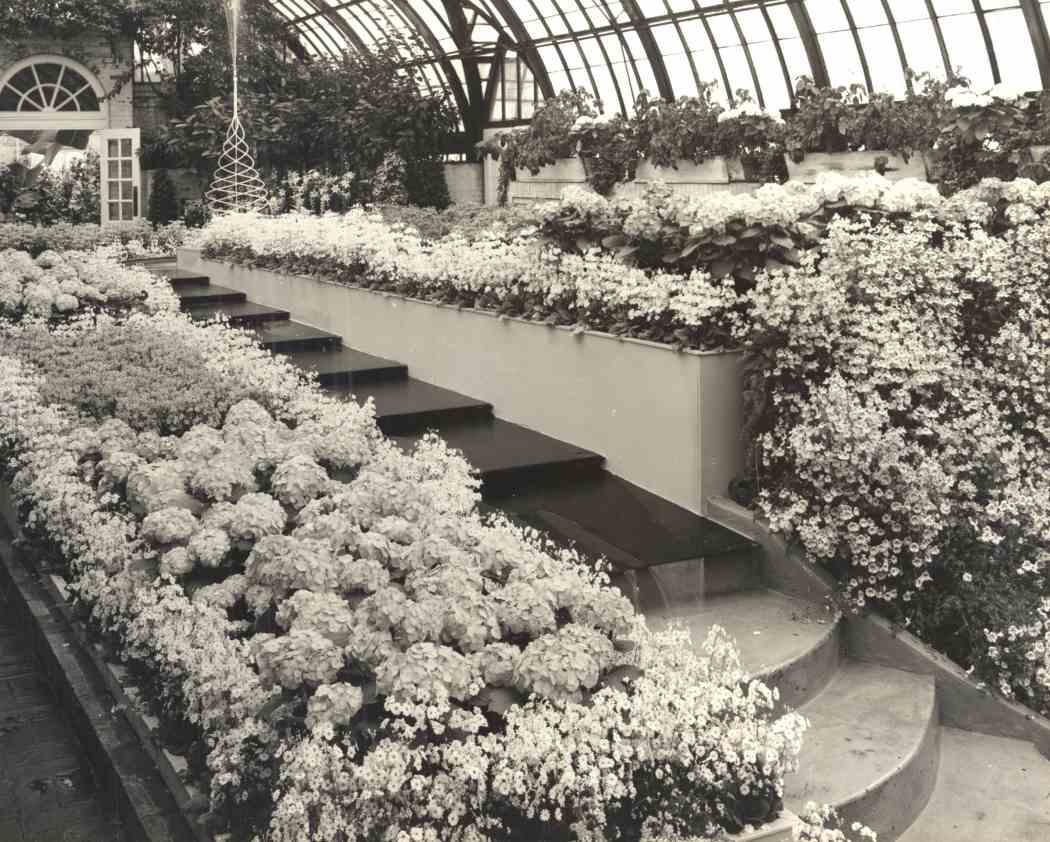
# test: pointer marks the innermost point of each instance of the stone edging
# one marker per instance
(150, 798)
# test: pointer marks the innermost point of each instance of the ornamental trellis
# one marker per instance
(236, 185)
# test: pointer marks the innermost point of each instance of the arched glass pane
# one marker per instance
(1014, 49)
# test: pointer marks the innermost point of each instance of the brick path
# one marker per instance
(46, 789)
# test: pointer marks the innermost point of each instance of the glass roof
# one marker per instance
(615, 48)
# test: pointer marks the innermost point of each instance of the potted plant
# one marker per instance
(983, 135)
(846, 129)
(752, 139)
(608, 148)
(543, 150)
(677, 139)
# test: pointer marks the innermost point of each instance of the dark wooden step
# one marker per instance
(179, 278)
(633, 528)
(286, 337)
(511, 458)
(344, 366)
(408, 405)
(239, 312)
(194, 295)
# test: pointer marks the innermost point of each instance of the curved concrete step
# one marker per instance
(989, 789)
(788, 643)
(872, 748)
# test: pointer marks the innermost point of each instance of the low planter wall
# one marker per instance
(667, 421)
(851, 162)
(716, 175)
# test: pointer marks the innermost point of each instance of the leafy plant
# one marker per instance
(668, 132)
(163, 203)
(546, 139)
(608, 148)
(754, 136)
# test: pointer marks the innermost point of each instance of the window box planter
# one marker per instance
(850, 162)
(667, 421)
(710, 171)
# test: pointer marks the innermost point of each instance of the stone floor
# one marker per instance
(46, 789)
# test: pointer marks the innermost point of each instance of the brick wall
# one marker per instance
(465, 182)
(96, 53)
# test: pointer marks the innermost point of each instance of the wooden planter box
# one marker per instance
(851, 162)
(711, 171)
(667, 421)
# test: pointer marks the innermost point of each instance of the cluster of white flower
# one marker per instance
(749, 109)
(57, 284)
(910, 375)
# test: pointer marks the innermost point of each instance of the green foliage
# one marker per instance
(339, 115)
(128, 371)
(668, 132)
(66, 236)
(41, 195)
(163, 203)
(425, 183)
(609, 150)
(388, 182)
(543, 141)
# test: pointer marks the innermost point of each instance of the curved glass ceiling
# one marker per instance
(615, 48)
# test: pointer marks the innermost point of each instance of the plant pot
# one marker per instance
(710, 171)
(854, 162)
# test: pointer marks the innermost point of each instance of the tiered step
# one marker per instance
(871, 750)
(509, 457)
(344, 366)
(406, 405)
(242, 313)
(647, 530)
(196, 294)
(785, 642)
(288, 337)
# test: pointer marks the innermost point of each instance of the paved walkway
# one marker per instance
(46, 789)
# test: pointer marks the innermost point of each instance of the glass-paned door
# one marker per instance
(119, 160)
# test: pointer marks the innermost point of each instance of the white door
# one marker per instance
(119, 160)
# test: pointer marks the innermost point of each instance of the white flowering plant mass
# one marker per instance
(340, 643)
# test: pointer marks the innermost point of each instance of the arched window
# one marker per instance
(51, 92)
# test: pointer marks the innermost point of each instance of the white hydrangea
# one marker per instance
(336, 704)
(297, 481)
(169, 526)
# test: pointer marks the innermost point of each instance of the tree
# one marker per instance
(163, 203)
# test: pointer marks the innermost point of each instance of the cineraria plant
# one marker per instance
(753, 135)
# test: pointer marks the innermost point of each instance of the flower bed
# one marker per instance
(139, 238)
(56, 284)
(343, 646)
(661, 267)
(901, 406)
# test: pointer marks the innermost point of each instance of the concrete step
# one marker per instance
(871, 750)
(195, 295)
(241, 313)
(344, 366)
(788, 643)
(989, 789)
(408, 405)
(287, 337)
(510, 457)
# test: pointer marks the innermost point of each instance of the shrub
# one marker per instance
(163, 203)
